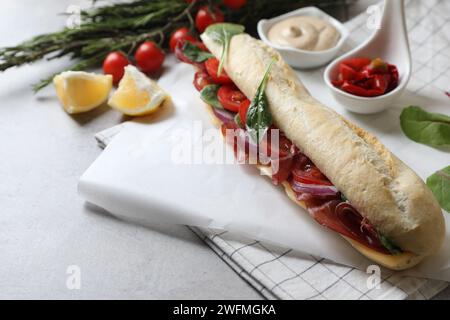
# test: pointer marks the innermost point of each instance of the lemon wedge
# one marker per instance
(80, 91)
(137, 94)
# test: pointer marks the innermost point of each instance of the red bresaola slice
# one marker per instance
(361, 230)
(343, 218)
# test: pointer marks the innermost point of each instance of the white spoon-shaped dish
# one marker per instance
(390, 43)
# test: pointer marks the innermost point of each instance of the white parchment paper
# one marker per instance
(137, 178)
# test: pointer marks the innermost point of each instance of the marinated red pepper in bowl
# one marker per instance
(365, 77)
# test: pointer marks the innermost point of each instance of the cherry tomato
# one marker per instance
(201, 80)
(149, 57)
(212, 65)
(231, 98)
(114, 64)
(234, 4)
(206, 17)
(243, 111)
(179, 34)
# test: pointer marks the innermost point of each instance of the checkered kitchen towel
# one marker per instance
(280, 273)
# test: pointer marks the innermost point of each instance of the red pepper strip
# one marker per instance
(393, 71)
(357, 63)
(356, 90)
(337, 83)
(380, 82)
(366, 78)
(347, 73)
(379, 88)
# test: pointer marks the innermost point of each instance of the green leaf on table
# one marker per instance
(209, 95)
(439, 183)
(259, 117)
(222, 33)
(425, 127)
(194, 53)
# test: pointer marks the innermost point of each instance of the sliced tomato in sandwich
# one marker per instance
(212, 67)
(231, 98)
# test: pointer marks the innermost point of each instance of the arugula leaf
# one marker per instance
(209, 95)
(194, 53)
(222, 33)
(388, 244)
(439, 183)
(424, 127)
(259, 117)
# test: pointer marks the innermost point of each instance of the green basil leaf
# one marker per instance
(219, 31)
(439, 183)
(424, 127)
(193, 53)
(222, 33)
(259, 117)
(209, 95)
(388, 244)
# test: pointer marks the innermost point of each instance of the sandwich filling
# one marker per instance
(324, 202)
(289, 166)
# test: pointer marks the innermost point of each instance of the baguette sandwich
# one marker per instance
(345, 178)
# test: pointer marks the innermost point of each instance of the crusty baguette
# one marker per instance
(380, 186)
(401, 261)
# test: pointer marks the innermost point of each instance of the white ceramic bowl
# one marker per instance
(298, 58)
(366, 105)
(389, 42)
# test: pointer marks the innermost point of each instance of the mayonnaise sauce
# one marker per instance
(306, 33)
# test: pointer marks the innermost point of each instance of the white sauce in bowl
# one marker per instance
(306, 33)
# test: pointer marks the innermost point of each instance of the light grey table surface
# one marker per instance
(45, 227)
